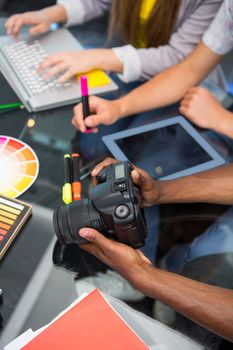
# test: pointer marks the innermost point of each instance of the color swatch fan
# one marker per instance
(19, 167)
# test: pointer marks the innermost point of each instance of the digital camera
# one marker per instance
(112, 209)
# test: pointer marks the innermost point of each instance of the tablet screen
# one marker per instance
(164, 151)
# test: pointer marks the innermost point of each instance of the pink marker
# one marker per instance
(85, 99)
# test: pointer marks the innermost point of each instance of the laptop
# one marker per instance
(166, 149)
(18, 63)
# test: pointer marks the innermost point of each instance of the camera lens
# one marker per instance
(69, 219)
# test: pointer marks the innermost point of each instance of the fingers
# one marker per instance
(49, 61)
(101, 110)
(184, 104)
(193, 92)
(183, 110)
(187, 100)
(78, 120)
(191, 104)
(13, 25)
(101, 247)
(94, 236)
(39, 29)
(67, 75)
(147, 185)
(188, 96)
(15, 29)
(141, 178)
(108, 161)
(57, 69)
(136, 177)
(57, 63)
(93, 120)
(9, 24)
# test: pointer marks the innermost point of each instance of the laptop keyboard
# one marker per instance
(25, 59)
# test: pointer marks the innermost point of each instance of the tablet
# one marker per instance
(166, 149)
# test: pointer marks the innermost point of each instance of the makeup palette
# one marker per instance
(19, 166)
(13, 215)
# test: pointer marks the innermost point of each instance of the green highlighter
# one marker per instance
(67, 187)
(11, 105)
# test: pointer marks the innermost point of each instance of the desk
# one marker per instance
(20, 262)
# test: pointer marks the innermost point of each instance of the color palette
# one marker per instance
(13, 215)
(19, 166)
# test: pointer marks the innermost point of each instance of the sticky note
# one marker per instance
(96, 78)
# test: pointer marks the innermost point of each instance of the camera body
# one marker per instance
(113, 209)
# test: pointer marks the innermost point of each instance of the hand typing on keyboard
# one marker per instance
(39, 21)
(25, 60)
(68, 64)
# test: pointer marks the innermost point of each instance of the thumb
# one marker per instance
(138, 178)
(95, 120)
(95, 237)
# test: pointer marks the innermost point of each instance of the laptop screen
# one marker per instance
(164, 151)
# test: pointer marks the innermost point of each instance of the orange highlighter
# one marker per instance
(76, 183)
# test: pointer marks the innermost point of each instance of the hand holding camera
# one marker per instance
(149, 188)
(112, 209)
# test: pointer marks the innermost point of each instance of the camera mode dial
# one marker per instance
(122, 211)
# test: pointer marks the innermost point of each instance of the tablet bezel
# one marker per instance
(217, 160)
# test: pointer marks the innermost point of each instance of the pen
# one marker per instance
(12, 105)
(76, 184)
(66, 189)
(85, 101)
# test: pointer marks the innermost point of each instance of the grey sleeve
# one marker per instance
(182, 42)
(80, 11)
(219, 37)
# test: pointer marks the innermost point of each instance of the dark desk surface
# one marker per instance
(21, 260)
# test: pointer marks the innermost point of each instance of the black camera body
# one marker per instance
(113, 209)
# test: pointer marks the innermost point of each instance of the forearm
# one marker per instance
(209, 306)
(107, 60)
(170, 86)
(214, 186)
(56, 13)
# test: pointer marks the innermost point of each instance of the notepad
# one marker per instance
(96, 78)
(90, 324)
(13, 215)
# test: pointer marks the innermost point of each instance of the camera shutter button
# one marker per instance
(122, 211)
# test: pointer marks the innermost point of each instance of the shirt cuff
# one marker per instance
(129, 57)
(75, 11)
